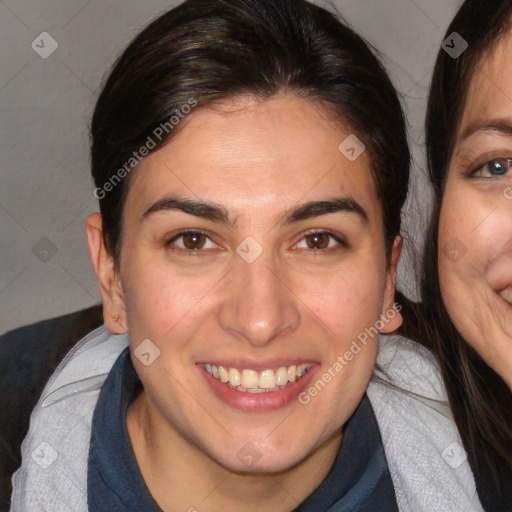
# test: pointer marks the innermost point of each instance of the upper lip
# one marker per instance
(258, 365)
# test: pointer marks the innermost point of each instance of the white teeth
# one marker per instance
(281, 376)
(251, 381)
(234, 377)
(267, 379)
(506, 294)
(224, 375)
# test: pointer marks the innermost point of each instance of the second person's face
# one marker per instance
(475, 230)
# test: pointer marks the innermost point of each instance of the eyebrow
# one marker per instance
(499, 126)
(318, 208)
(217, 213)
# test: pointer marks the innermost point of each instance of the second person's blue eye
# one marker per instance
(494, 168)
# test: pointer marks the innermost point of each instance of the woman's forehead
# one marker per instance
(489, 95)
(263, 153)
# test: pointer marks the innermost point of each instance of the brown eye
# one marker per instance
(193, 241)
(317, 240)
(322, 241)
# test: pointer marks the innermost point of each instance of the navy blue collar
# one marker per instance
(359, 480)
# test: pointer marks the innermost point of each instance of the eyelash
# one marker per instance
(342, 242)
(201, 252)
(476, 168)
(187, 252)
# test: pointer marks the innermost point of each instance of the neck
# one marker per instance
(180, 476)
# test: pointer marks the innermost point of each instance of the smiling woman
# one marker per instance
(467, 281)
(253, 317)
(238, 263)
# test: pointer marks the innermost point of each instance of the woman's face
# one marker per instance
(475, 230)
(251, 242)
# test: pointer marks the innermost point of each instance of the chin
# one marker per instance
(254, 460)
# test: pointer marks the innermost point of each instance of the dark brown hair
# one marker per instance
(480, 400)
(209, 50)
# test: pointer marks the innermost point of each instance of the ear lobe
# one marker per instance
(390, 315)
(114, 312)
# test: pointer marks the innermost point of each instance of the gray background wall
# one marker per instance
(45, 110)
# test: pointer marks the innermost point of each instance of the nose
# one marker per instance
(259, 304)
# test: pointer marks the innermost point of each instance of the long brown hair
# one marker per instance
(480, 400)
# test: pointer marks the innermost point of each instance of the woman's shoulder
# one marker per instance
(410, 366)
(29, 356)
(427, 462)
(65, 405)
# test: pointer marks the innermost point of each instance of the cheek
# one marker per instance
(463, 236)
(161, 300)
(347, 301)
(472, 231)
(456, 217)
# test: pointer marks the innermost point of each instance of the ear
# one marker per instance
(390, 315)
(111, 292)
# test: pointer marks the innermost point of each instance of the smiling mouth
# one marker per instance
(252, 381)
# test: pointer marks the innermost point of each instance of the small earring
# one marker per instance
(116, 318)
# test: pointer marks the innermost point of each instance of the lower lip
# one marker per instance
(258, 402)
